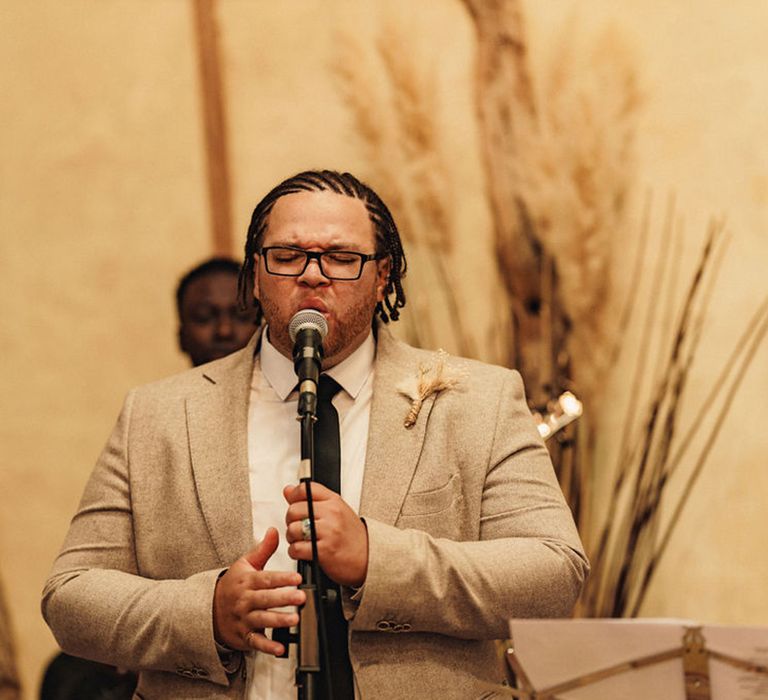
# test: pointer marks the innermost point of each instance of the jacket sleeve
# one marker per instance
(526, 559)
(97, 604)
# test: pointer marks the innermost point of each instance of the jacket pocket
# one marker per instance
(430, 502)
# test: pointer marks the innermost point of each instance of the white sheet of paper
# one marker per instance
(556, 651)
(749, 643)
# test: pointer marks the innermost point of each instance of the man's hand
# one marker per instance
(342, 538)
(245, 596)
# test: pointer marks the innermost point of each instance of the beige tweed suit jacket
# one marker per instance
(467, 528)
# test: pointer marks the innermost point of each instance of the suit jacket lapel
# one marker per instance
(393, 450)
(217, 424)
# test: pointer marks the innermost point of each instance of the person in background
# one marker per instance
(71, 678)
(211, 325)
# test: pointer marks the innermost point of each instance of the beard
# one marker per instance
(347, 330)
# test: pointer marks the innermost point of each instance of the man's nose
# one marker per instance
(225, 328)
(312, 274)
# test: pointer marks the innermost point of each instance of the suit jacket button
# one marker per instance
(383, 626)
(185, 672)
(405, 627)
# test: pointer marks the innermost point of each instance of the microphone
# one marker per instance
(307, 329)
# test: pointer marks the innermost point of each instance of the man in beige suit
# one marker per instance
(449, 519)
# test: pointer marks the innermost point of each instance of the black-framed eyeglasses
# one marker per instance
(334, 264)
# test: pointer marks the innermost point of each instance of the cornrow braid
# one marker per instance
(388, 242)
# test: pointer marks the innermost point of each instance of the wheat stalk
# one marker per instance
(401, 134)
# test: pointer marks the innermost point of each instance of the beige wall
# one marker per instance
(102, 205)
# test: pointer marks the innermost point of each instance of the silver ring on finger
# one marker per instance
(248, 638)
(306, 530)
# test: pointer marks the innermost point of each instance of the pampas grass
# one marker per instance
(396, 124)
(658, 434)
(558, 147)
(574, 165)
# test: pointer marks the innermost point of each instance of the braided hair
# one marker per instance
(388, 242)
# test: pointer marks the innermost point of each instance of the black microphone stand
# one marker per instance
(312, 629)
(310, 637)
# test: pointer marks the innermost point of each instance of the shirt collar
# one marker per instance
(351, 373)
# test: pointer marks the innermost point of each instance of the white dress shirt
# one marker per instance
(273, 462)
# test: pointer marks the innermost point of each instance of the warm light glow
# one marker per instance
(567, 409)
(570, 404)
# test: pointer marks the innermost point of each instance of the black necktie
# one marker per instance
(327, 472)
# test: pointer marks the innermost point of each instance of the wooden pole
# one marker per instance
(213, 107)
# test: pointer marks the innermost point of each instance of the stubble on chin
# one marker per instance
(350, 331)
(278, 328)
(347, 336)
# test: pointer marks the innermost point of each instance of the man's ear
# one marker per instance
(383, 268)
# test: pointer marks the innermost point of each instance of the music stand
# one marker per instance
(637, 660)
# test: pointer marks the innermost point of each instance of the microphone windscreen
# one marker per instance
(307, 318)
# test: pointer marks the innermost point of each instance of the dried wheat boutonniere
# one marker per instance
(430, 379)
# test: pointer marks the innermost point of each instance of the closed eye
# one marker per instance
(286, 256)
(342, 258)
